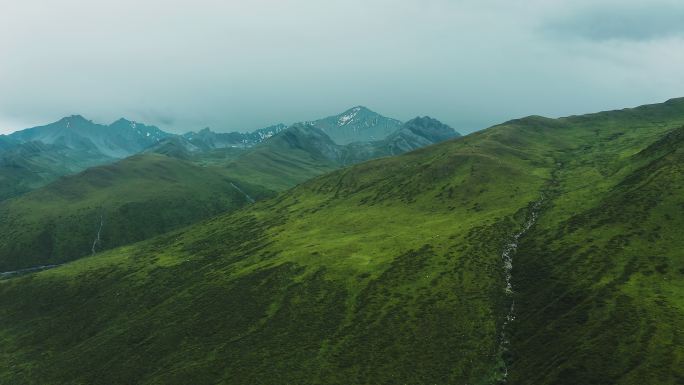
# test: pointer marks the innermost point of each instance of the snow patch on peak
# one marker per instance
(348, 117)
(266, 135)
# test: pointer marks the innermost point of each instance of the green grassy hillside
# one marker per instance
(603, 277)
(34, 157)
(391, 272)
(304, 151)
(290, 157)
(28, 166)
(125, 202)
(146, 196)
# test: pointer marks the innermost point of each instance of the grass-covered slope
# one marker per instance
(124, 202)
(303, 151)
(146, 195)
(297, 154)
(385, 272)
(27, 166)
(412, 135)
(390, 272)
(34, 157)
(603, 277)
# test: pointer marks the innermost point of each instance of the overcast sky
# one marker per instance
(242, 65)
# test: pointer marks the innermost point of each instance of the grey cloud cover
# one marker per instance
(242, 65)
(628, 22)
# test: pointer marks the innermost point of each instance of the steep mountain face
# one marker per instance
(209, 140)
(108, 206)
(396, 271)
(118, 140)
(358, 124)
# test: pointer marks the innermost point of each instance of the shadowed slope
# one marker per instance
(134, 199)
(605, 282)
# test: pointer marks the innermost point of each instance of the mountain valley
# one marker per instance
(390, 270)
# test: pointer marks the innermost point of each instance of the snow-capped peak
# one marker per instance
(348, 117)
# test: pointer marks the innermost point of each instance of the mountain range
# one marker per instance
(537, 251)
(117, 140)
(33, 157)
(113, 205)
(209, 140)
(171, 183)
(36, 156)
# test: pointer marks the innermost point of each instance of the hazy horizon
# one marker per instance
(464, 132)
(183, 65)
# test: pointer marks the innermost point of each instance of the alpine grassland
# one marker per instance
(168, 186)
(113, 205)
(391, 272)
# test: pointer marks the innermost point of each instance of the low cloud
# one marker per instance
(639, 22)
(238, 65)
